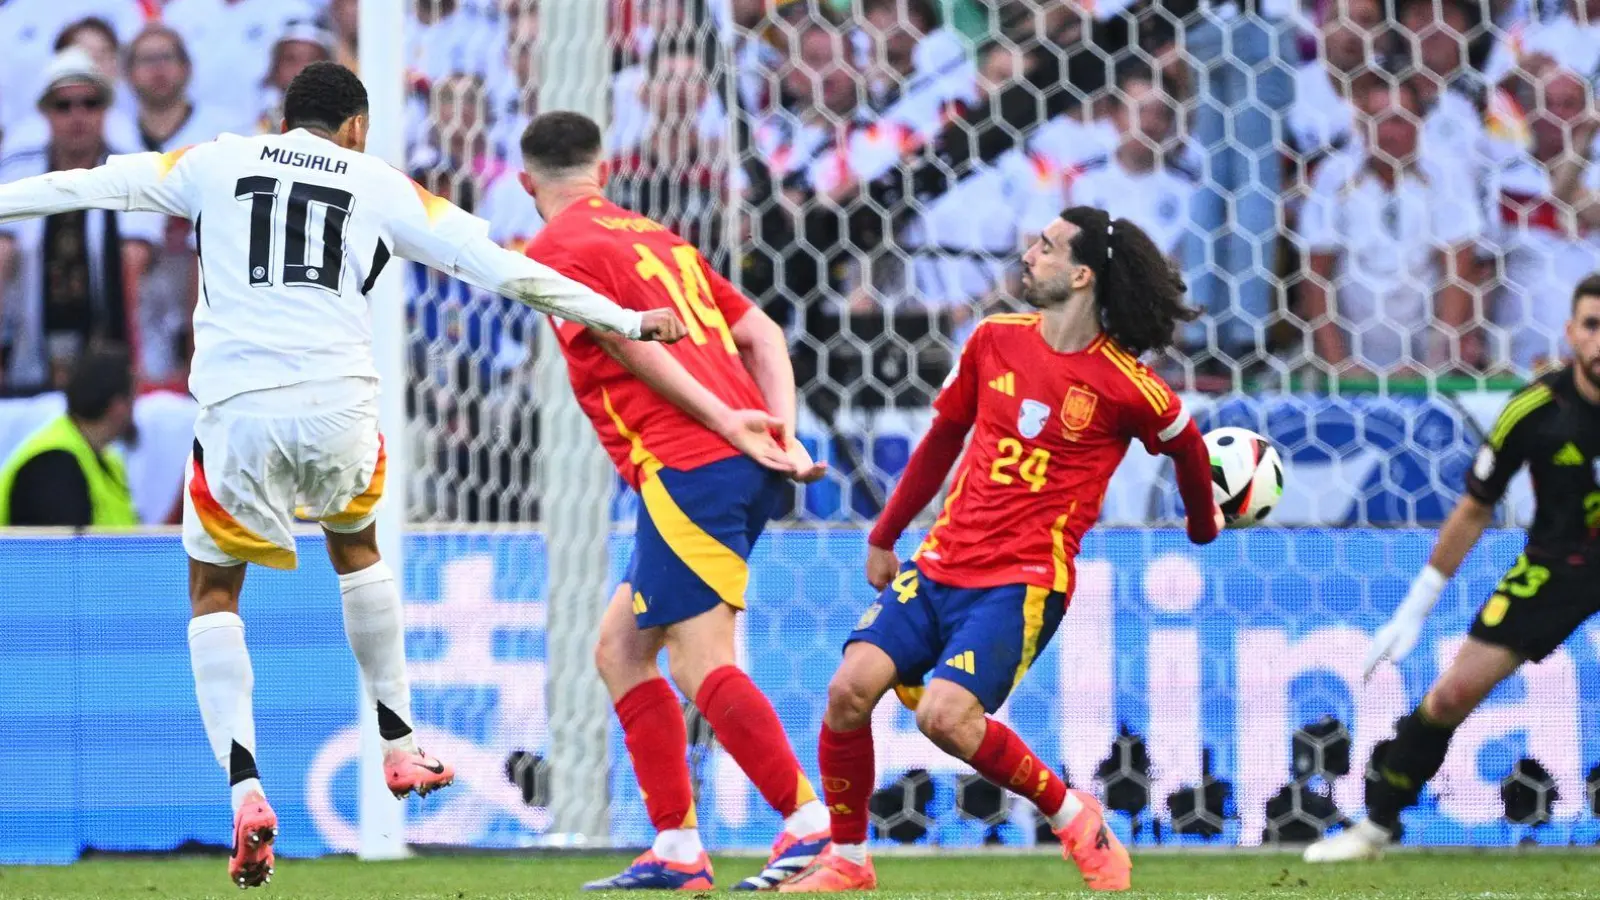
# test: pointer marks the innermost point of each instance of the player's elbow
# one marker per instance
(1473, 511)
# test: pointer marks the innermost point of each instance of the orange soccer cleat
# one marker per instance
(406, 772)
(255, 826)
(790, 856)
(1089, 842)
(833, 874)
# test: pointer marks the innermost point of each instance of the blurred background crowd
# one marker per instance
(1359, 192)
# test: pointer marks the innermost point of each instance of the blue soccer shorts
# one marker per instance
(983, 639)
(696, 528)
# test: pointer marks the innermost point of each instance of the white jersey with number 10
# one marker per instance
(293, 231)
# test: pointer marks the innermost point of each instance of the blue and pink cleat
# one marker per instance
(652, 873)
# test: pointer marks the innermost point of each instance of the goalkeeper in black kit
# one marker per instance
(1553, 427)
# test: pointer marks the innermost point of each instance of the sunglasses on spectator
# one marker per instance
(68, 104)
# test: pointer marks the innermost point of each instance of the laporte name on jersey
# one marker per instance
(303, 160)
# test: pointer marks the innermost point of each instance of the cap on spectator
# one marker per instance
(73, 66)
(307, 31)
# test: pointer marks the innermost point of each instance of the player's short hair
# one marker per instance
(560, 142)
(1588, 287)
(102, 374)
(324, 95)
(1139, 291)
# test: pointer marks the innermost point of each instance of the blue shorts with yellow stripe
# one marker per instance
(695, 531)
(983, 639)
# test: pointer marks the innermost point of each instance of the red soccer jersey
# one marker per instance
(1048, 430)
(641, 265)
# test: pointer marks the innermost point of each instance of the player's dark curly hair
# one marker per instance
(324, 95)
(1139, 291)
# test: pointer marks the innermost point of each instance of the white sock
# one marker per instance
(807, 820)
(680, 845)
(374, 623)
(856, 853)
(223, 682)
(1070, 807)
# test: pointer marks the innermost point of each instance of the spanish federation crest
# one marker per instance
(1077, 410)
(1031, 418)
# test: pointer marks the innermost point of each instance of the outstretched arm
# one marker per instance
(136, 182)
(484, 264)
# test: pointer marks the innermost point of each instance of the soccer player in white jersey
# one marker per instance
(293, 230)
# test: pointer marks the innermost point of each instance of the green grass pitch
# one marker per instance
(1485, 876)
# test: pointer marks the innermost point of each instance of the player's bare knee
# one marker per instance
(949, 719)
(850, 701)
(1451, 700)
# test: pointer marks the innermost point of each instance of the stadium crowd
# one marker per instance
(1352, 188)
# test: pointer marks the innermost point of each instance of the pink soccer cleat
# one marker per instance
(832, 874)
(254, 827)
(1101, 858)
(406, 772)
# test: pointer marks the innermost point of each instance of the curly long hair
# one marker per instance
(1139, 291)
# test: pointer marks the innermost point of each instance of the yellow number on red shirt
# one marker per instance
(1032, 469)
(689, 290)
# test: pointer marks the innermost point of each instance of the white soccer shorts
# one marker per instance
(263, 458)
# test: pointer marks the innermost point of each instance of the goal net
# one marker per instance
(1380, 206)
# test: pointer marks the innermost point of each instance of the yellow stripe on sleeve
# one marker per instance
(1129, 367)
(1517, 410)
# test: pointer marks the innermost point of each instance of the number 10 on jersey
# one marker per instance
(261, 192)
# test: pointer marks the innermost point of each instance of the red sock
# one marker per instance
(652, 727)
(747, 726)
(1005, 760)
(848, 777)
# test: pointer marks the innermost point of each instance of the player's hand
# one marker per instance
(882, 566)
(750, 431)
(806, 469)
(661, 325)
(1393, 641)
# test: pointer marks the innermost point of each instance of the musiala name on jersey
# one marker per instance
(303, 160)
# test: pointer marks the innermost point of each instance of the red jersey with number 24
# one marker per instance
(642, 265)
(1048, 431)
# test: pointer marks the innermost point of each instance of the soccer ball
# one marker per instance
(1246, 475)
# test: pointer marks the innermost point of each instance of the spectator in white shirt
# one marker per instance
(159, 71)
(1389, 239)
(1144, 180)
(1321, 119)
(28, 32)
(1547, 248)
(230, 43)
(160, 74)
(95, 37)
(1571, 38)
(1437, 33)
(918, 66)
(514, 84)
(70, 280)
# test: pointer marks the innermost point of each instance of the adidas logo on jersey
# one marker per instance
(1570, 455)
(1006, 384)
(963, 662)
